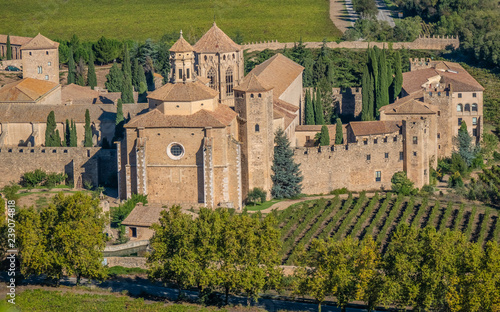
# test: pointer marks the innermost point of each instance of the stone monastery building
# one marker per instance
(208, 136)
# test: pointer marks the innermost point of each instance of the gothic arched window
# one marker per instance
(212, 76)
(229, 81)
(467, 108)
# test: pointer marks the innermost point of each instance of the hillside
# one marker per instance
(138, 20)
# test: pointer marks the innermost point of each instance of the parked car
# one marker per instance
(12, 68)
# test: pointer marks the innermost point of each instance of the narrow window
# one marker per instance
(459, 121)
(375, 141)
(378, 176)
(401, 156)
(212, 76)
(49, 64)
(474, 95)
(474, 132)
(257, 128)
(439, 113)
(229, 82)
(251, 95)
(368, 157)
(474, 107)
(460, 95)
(425, 171)
(467, 108)
(386, 155)
(133, 231)
(439, 135)
(187, 73)
(395, 139)
(414, 153)
(459, 108)
(180, 73)
(46, 52)
(365, 141)
(474, 121)
(415, 140)
(46, 77)
(385, 139)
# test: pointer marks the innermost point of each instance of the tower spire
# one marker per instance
(181, 34)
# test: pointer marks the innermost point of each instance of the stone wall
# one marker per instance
(126, 262)
(421, 43)
(17, 63)
(79, 163)
(347, 165)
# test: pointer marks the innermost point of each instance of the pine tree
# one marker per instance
(324, 136)
(398, 79)
(339, 134)
(91, 75)
(71, 68)
(287, 176)
(9, 49)
(309, 109)
(67, 137)
(366, 113)
(88, 130)
(50, 130)
(318, 109)
(114, 80)
(464, 144)
(73, 138)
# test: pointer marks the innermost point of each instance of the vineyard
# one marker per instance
(378, 216)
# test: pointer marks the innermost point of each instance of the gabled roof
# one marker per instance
(215, 40)
(252, 84)
(278, 72)
(183, 92)
(15, 40)
(364, 128)
(85, 95)
(407, 106)
(219, 118)
(147, 215)
(181, 45)
(26, 90)
(40, 42)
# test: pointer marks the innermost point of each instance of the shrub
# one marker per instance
(33, 178)
(427, 189)
(87, 184)
(10, 191)
(402, 185)
(339, 191)
(54, 179)
(257, 195)
(455, 180)
(496, 156)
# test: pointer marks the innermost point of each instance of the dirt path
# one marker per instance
(340, 16)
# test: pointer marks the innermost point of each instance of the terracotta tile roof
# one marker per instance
(450, 73)
(285, 105)
(224, 114)
(215, 40)
(40, 42)
(147, 215)
(181, 45)
(201, 119)
(203, 80)
(363, 128)
(26, 90)
(183, 92)
(85, 95)
(252, 84)
(407, 106)
(17, 113)
(15, 40)
(278, 72)
(332, 130)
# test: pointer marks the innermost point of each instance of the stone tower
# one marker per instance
(220, 60)
(417, 151)
(41, 59)
(182, 61)
(440, 96)
(254, 104)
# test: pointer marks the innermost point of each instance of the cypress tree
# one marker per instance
(324, 136)
(71, 68)
(67, 137)
(318, 109)
(143, 92)
(287, 176)
(56, 139)
(309, 109)
(339, 135)
(382, 91)
(135, 74)
(127, 93)
(119, 112)
(141, 75)
(365, 89)
(73, 138)
(114, 80)
(9, 49)
(88, 130)
(398, 79)
(371, 96)
(50, 129)
(91, 76)
(126, 66)
(127, 88)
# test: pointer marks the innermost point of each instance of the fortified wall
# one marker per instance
(353, 165)
(421, 43)
(80, 163)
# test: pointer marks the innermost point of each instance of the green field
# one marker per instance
(283, 20)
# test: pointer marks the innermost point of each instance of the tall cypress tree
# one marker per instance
(91, 76)
(71, 68)
(339, 134)
(73, 138)
(50, 130)
(309, 109)
(127, 92)
(67, 137)
(88, 130)
(9, 49)
(397, 84)
(318, 109)
(127, 88)
(126, 66)
(56, 139)
(135, 74)
(373, 62)
(371, 96)
(287, 176)
(324, 136)
(366, 113)
(114, 80)
(382, 91)
(119, 122)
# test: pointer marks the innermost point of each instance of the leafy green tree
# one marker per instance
(366, 8)
(397, 84)
(107, 50)
(88, 130)
(401, 184)
(287, 176)
(80, 69)
(339, 133)
(10, 191)
(115, 79)
(9, 49)
(257, 195)
(71, 68)
(323, 137)
(309, 108)
(91, 75)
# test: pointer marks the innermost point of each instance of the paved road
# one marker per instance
(384, 14)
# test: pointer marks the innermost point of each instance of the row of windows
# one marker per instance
(473, 95)
(212, 77)
(466, 108)
(46, 53)
(223, 57)
(375, 141)
(386, 156)
(474, 121)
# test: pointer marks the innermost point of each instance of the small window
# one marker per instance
(378, 176)
(425, 171)
(439, 135)
(375, 141)
(474, 107)
(439, 113)
(46, 77)
(49, 64)
(474, 132)
(368, 157)
(467, 107)
(395, 139)
(459, 108)
(365, 141)
(401, 156)
(205, 58)
(251, 95)
(176, 150)
(474, 95)
(257, 128)
(415, 140)
(46, 52)
(30, 53)
(414, 153)
(386, 155)
(459, 121)
(133, 232)
(385, 139)
(439, 146)
(187, 73)
(460, 95)
(439, 93)
(474, 121)
(260, 95)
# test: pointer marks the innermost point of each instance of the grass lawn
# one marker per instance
(128, 19)
(263, 206)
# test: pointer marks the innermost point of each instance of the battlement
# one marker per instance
(438, 90)
(72, 151)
